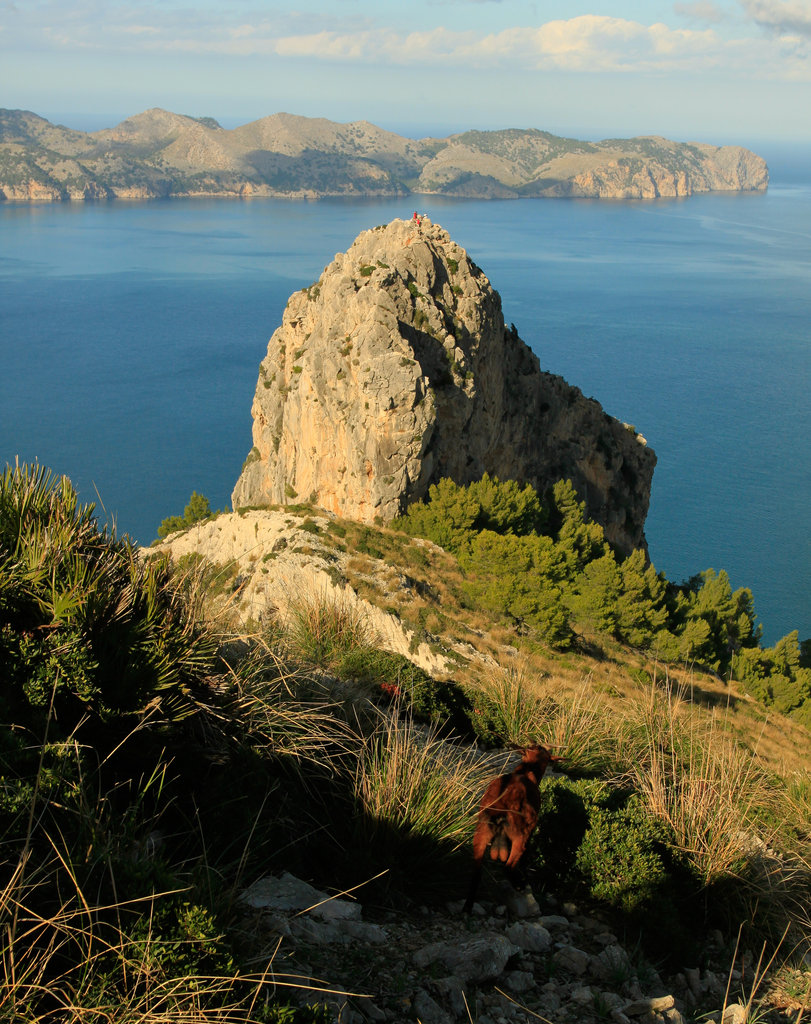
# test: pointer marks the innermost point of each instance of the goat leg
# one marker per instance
(473, 888)
(482, 838)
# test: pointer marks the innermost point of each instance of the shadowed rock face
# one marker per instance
(395, 369)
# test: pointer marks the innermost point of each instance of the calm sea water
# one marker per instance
(130, 339)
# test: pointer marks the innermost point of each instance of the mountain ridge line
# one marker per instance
(160, 154)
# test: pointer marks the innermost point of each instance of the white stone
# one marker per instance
(522, 904)
(734, 1014)
(656, 1005)
(481, 959)
(529, 935)
(572, 959)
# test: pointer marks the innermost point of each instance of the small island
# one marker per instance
(158, 154)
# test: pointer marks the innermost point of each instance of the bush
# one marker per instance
(563, 819)
(197, 511)
(444, 704)
(89, 632)
(621, 857)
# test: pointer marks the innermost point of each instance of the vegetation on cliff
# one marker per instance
(153, 761)
(544, 566)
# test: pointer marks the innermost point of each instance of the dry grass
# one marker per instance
(321, 627)
(75, 963)
(571, 719)
(409, 779)
(694, 776)
(283, 712)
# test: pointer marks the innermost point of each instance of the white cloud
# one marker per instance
(781, 16)
(586, 43)
(702, 10)
(140, 30)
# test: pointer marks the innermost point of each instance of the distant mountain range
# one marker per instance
(158, 154)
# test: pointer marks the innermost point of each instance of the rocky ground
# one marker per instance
(510, 961)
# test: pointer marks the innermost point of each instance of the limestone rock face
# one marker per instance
(395, 369)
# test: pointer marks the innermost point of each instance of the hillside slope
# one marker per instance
(265, 563)
(159, 154)
(185, 743)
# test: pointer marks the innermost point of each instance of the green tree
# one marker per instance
(447, 518)
(506, 507)
(695, 641)
(454, 513)
(593, 597)
(641, 604)
(729, 615)
(518, 577)
(775, 676)
(580, 540)
(196, 511)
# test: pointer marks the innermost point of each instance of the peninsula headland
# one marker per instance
(159, 154)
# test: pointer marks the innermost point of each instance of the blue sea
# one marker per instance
(131, 335)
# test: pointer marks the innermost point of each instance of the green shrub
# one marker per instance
(621, 857)
(442, 703)
(197, 510)
(180, 939)
(563, 819)
(89, 631)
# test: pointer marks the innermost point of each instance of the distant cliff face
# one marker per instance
(160, 154)
(514, 163)
(395, 369)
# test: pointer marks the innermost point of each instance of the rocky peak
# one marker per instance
(395, 369)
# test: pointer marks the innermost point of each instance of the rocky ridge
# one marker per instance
(395, 369)
(509, 962)
(160, 154)
(276, 558)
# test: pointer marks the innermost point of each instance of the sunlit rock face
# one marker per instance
(395, 369)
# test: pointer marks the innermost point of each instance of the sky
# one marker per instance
(708, 70)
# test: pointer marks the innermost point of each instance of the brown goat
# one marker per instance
(507, 816)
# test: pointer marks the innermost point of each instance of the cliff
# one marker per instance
(160, 154)
(395, 369)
